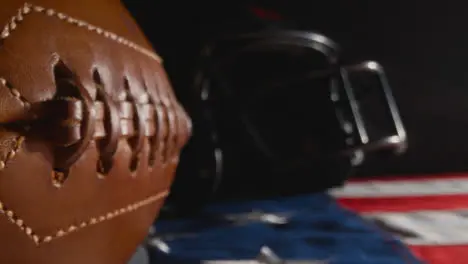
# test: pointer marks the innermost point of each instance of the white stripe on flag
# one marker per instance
(375, 188)
(426, 227)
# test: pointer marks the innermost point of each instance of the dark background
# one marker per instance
(423, 46)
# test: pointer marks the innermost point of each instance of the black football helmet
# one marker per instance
(278, 112)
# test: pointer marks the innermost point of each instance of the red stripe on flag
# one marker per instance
(405, 203)
(442, 254)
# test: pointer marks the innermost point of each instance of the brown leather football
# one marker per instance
(90, 132)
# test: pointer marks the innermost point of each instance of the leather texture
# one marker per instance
(90, 132)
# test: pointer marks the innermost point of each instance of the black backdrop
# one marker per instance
(423, 46)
